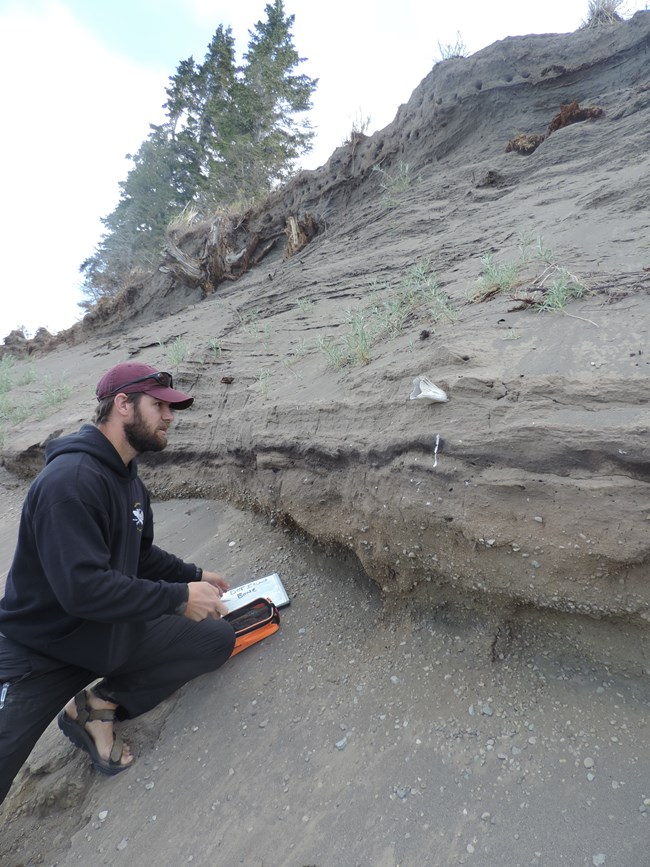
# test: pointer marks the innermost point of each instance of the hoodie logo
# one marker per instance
(138, 516)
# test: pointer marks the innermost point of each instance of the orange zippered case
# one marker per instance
(253, 622)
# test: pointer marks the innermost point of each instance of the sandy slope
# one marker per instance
(356, 736)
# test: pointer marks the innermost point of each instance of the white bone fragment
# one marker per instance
(424, 389)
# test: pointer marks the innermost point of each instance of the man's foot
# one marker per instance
(88, 722)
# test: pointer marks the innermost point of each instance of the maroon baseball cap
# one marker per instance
(133, 377)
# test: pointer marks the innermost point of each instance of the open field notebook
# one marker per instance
(270, 587)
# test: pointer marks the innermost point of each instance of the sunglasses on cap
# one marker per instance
(163, 379)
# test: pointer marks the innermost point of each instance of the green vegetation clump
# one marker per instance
(332, 351)
(416, 296)
(36, 404)
(7, 364)
(564, 287)
(264, 381)
(215, 348)
(394, 184)
(417, 290)
(305, 304)
(177, 351)
(545, 285)
(494, 277)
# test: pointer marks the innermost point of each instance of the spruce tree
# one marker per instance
(273, 95)
(158, 186)
(215, 124)
(229, 135)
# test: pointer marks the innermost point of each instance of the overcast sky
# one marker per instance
(83, 79)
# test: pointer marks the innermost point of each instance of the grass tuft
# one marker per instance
(183, 221)
(394, 185)
(305, 304)
(391, 310)
(494, 277)
(264, 381)
(177, 351)
(360, 337)
(300, 350)
(565, 287)
(452, 50)
(497, 277)
(600, 13)
(7, 364)
(332, 352)
(33, 406)
(359, 129)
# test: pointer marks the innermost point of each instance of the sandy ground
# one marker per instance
(357, 735)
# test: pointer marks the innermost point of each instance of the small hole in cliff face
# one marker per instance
(478, 85)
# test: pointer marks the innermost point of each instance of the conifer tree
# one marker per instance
(157, 187)
(229, 135)
(273, 94)
(215, 122)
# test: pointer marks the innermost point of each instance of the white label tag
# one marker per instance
(270, 587)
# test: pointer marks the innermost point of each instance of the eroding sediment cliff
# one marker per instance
(537, 491)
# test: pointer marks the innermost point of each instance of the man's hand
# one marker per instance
(204, 600)
(216, 580)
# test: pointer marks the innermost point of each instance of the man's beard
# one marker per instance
(141, 438)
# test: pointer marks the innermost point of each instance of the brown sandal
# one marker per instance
(75, 730)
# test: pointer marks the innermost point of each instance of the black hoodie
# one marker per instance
(86, 574)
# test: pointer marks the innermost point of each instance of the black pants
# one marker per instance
(34, 688)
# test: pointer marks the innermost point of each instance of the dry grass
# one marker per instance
(359, 129)
(180, 224)
(603, 12)
(452, 50)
